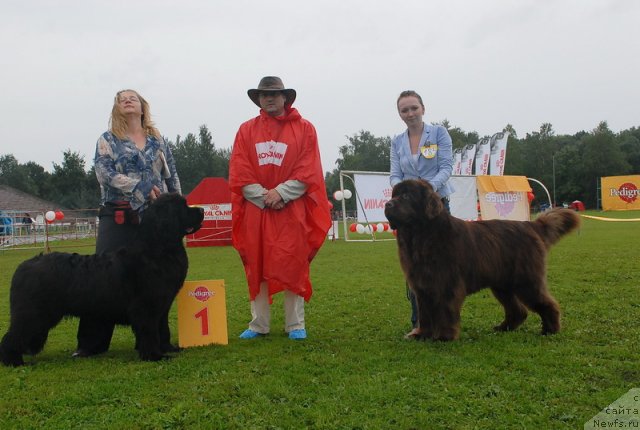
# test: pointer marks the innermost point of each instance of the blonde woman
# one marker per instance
(134, 165)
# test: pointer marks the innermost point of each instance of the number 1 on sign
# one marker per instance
(204, 323)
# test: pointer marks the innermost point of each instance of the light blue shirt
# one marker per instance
(435, 170)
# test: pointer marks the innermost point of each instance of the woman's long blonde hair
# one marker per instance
(118, 122)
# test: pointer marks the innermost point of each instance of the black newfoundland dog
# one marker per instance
(444, 259)
(135, 285)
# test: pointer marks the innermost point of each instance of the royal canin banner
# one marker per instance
(457, 161)
(217, 212)
(468, 157)
(620, 193)
(372, 191)
(498, 153)
(482, 157)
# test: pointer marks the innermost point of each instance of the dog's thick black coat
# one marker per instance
(445, 259)
(134, 285)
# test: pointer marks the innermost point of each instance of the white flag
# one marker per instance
(457, 161)
(482, 156)
(498, 153)
(468, 156)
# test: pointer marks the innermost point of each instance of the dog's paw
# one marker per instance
(546, 331)
(503, 326)
(422, 335)
(13, 362)
(170, 348)
(154, 356)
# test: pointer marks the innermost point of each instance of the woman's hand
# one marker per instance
(155, 193)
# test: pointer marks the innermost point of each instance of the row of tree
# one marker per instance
(72, 186)
(569, 165)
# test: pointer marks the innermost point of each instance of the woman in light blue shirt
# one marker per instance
(422, 151)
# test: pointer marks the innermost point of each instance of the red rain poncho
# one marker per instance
(277, 246)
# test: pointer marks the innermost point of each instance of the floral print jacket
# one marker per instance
(127, 173)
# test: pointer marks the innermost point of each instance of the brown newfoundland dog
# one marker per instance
(444, 259)
(134, 285)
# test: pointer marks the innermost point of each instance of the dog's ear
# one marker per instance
(433, 204)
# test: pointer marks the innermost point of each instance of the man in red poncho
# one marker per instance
(279, 206)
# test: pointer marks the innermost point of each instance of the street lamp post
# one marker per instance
(553, 169)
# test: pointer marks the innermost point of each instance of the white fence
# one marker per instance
(29, 229)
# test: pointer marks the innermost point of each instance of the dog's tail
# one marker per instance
(554, 224)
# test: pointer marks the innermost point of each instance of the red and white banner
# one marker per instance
(482, 156)
(457, 162)
(372, 191)
(217, 212)
(498, 153)
(468, 157)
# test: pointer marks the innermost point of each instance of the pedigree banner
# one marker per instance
(373, 191)
(504, 197)
(620, 193)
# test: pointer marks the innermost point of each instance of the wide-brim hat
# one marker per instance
(272, 83)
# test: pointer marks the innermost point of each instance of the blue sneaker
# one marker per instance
(298, 334)
(250, 334)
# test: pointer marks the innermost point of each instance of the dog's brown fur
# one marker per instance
(445, 259)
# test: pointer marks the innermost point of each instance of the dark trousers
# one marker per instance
(410, 296)
(94, 334)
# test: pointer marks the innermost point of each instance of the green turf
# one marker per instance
(355, 371)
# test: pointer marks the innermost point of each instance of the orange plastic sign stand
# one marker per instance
(202, 314)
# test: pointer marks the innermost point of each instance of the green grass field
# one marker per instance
(355, 371)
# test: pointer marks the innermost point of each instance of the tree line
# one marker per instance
(72, 186)
(570, 166)
(574, 163)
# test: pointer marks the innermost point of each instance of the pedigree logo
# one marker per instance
(202, 293)
(270, 152)
(627, 192)
(504, 203)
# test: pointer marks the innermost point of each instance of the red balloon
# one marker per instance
(386, 227)
(352, 228)
(59, 215)
(530, 196)
(373, 227)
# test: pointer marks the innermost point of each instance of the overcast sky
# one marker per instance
(479, 64)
